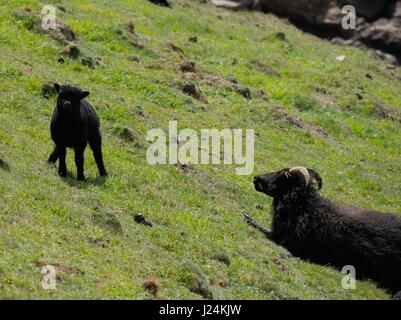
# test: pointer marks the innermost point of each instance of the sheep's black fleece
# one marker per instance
(314, 228)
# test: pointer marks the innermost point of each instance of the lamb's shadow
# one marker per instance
(72, 181)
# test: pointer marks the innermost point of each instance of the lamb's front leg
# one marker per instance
(79, 161)
(267, 232)
(62, 167)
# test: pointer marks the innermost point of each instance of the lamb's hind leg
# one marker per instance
(254, 224)
(53, 157)
(96, 146)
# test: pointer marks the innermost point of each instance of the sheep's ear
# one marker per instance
(317, 177)
(57, 87)
(84, 94)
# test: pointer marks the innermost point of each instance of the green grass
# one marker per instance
(87, 229)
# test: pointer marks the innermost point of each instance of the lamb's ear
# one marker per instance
(57, 87)
(84, 94)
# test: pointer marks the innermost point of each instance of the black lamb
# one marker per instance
(315, 229)
(75, 123)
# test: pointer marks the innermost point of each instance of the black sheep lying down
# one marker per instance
(316, 229)
(75, 123)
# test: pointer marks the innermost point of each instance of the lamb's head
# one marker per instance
(69, 98)
(276, 184)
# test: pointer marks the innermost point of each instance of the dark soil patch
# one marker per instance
(192, 90)
(128, 34)
(386, 111)
(152, 286)
(175, 48)
(265, 68)
(187, 66)
(72, 51)
(62, 34)
(130, 27)
(243, 91)
(133, 58)
(297, 122)
(142, 220)
(222, 257)
(260, 94)
(232, 78)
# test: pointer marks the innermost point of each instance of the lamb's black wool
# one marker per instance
(74, 124)
(316, 229)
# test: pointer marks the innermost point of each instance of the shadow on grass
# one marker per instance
(4, 165)
(72, 181)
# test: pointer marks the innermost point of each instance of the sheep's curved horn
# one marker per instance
(317, 177)
(304, 172)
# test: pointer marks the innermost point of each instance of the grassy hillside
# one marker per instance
(340, 118)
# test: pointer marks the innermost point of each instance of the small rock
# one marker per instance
(340, 58)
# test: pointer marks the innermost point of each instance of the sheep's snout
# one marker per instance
(259, 183)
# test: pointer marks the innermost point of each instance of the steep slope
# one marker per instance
(340, 118)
